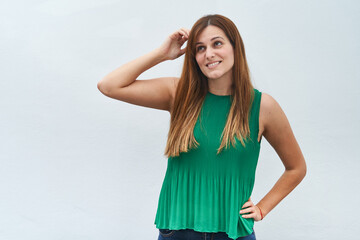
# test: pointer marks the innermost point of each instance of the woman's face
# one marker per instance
(213, 46)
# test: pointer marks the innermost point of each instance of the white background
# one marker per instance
(75, 164)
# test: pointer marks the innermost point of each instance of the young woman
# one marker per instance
(217, 121)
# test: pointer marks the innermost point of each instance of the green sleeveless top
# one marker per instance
(204, 191)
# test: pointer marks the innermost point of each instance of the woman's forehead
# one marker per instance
(209, 33)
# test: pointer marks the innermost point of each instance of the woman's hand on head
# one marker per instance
(171, 48)
(251, 210)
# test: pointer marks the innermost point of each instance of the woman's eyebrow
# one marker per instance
(210, 40)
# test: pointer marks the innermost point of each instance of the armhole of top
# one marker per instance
(257, 102)
(258, 115)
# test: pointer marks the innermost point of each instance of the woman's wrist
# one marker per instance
(261, 212)
(161, 55)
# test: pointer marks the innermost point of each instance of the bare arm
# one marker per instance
(127, 73)
(122, 83)
(278, 133)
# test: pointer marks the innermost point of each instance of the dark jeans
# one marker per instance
(189, 234)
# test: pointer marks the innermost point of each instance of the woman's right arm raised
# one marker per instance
(156, 93)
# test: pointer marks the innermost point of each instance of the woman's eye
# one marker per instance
(216, 44)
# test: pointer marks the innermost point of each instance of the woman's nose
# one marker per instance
(209, 53)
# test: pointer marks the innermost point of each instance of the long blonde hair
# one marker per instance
(193, 87)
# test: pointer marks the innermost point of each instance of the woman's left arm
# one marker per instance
(277, 131)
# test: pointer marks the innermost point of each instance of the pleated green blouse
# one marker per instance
(204, 191)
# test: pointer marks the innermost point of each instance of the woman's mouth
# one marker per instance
(213, 65)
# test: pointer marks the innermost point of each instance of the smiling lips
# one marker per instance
(213, 64)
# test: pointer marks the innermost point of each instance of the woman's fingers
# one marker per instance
(172, 46)
(251, 215)
(247, 210)
(184, 31)
(187, 31)
(251, 212)
(177, 35)
(181, 33)
(183, 39)
(248, 204)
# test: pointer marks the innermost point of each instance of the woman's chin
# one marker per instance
(213, 76)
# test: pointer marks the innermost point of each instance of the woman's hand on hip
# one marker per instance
(253, 210)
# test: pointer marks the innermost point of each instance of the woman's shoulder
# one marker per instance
(270, 110)
(268, 102)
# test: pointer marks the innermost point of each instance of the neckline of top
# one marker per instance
(218, 95)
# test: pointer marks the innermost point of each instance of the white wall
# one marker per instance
(75, 164)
